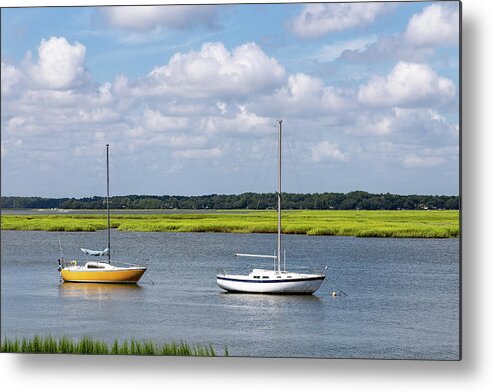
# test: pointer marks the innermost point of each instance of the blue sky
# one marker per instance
(188, 98)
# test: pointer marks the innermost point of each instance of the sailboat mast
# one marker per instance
(279, 199)
(108, 197)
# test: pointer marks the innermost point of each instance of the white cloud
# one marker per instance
(326, 151)
(385, 48)
(11, 76)
(301, 91)
(214, 71)
(140, 138)
(156, 121)
(303, 95)
(414, 125)
(408, 85)
(15, 123)
(319, 19)
(204, 153)
(95, 116)
(242, 121)
(437, 24)
(336, 99)
(204, 104)
(184, 141)
(374, 124)
(334, 51)
(60, 64)
(416, 161)
(146, 18)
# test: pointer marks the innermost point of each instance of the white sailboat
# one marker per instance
(277, 280)
(99, 271)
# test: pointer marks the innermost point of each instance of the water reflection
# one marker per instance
(97, 291)
(270, 300)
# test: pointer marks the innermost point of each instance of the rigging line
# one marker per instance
(60, 245)
(97, 177)
(272, 144)
(284, 200)
(114, 169)
(305, 255)
(262, 161)
(294, 166)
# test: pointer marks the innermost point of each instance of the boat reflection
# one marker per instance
(270, 299)
(98, 291)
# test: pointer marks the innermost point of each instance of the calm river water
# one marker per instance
(402, 295)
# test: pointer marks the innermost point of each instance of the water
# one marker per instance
(402, 294)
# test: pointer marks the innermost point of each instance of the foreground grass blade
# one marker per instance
(87, 345)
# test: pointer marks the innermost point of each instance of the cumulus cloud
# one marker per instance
(437, 24)
(304, 95)
(408, 85)
(241, 121)
(421, 125)
(11, 76)
(60, 64)
(155, 121)
(385, 48)
(214, 71)
(202, 105)
(199, 153)
(424, 123)
(334, 51)
(327, 151)
(371, 123)
(146, 18)
(415, 161)
(319, 19)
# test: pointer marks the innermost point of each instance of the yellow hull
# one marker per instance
(120, 276)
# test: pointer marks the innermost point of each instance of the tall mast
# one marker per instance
(279, 199)
(108, 197)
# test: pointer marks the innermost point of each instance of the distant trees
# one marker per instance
(30, 202)
(357, 200)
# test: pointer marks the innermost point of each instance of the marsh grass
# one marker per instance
(415, 224)
(87, 345)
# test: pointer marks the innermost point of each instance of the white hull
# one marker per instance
(270, 282)
(275, 281)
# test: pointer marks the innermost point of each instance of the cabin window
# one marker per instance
(289, 277)
(265, 277)
(95, 266)
(256, 277)
(278, 276)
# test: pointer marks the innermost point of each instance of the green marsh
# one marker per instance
(399, 224)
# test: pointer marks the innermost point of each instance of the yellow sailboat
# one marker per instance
(98, 271)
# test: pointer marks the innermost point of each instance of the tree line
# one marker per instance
(358, 200)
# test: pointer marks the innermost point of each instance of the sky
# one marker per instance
(189, 98)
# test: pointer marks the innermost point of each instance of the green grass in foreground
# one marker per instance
(411, 224)
(86, 345)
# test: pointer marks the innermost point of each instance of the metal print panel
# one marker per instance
(253, 180)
